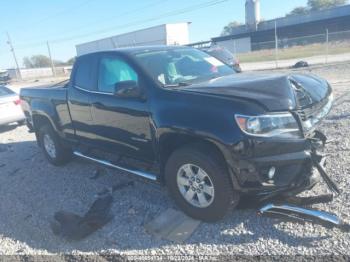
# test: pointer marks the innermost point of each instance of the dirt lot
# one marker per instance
(31, 191)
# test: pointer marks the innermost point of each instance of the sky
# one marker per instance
(65, 23)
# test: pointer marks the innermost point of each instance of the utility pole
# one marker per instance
(52, 64)
(327, 45)
(276, 44)
(18, 71)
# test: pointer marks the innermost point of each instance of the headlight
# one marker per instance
(281, 125)
(314, 120)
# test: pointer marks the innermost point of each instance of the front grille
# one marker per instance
(309, 112)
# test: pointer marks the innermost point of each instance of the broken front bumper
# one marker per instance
(294, 208)
(283, 167)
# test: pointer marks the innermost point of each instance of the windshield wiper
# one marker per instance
(178, 84)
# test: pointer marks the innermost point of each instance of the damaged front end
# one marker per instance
(290, 207)
(293, 208)
(277, 170)
(280, 150)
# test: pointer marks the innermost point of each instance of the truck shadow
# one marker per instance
(31, 191)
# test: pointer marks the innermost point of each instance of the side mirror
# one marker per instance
(127, 89)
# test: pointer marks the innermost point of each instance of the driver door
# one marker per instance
(122, 124)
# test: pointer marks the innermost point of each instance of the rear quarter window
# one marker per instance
(5, 91)
(84, 73)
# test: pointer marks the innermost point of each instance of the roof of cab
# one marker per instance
(138, 49)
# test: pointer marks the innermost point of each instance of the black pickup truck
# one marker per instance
(178, 116)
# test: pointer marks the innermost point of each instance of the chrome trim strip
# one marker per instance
(106, 163)
(92, 92)
(324, 216)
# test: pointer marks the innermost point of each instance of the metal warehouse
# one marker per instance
(256, 34)
(167, 34)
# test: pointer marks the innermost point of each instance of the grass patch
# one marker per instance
(295, 52)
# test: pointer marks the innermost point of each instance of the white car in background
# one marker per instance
(10, 107)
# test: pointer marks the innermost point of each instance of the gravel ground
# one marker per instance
(31, 191)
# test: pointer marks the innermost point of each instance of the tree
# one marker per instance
(316, 5)
(301, 10)
(59, 63)
(27, 62)
(37, 61)
(41, 61)
(228, 30)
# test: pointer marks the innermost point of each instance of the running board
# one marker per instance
(108, 164)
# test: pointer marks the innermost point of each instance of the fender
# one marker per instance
(47, 110)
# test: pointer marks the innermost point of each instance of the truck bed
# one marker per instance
(52, 98)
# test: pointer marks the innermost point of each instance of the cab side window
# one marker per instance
(84, 74)
(113, 70)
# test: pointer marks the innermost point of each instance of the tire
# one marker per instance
(52, 147)
(224, 198)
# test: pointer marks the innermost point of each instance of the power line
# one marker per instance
(99, 21)
(123, 14)
(165, 15)
(188, 9)
(59, 13)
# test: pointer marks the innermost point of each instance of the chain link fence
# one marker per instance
(319, 45)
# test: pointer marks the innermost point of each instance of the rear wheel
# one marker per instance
(53, 149)
(199, 183)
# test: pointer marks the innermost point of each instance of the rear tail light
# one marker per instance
(17, 102)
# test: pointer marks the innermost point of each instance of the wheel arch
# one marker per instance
(40, 120)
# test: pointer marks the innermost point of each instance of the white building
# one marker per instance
(167, 34)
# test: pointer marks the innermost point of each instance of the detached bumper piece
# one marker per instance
(319, 141)
(318, 162)
(294, 209)
(302, 215)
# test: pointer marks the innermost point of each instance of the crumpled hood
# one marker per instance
(273, 91)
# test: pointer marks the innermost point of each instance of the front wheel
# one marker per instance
(199, 183)
(54, 151)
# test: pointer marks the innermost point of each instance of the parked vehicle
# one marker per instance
(224, 56)
(182, 117)
(4, 77)
(10, 107)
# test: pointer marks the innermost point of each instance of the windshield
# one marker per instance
(182, 66)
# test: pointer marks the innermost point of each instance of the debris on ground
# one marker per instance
(172, 225)
(303, 215)
(132, 211)
(122, 186)
(98, 172)
(74, 227)
(301, 64)
(115, 188)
